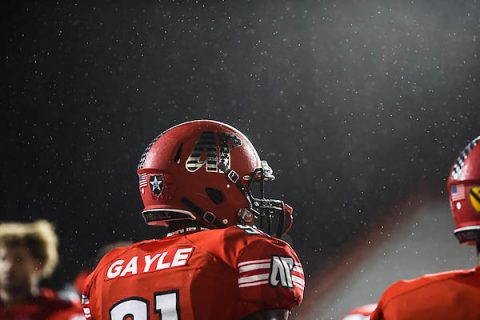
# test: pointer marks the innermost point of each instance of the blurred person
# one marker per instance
(453, 294)
(28, 254)
(199, 179)
(360, 313)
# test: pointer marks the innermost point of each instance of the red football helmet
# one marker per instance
(464, 191)
(205, 170)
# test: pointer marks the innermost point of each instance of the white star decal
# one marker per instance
(155, 183)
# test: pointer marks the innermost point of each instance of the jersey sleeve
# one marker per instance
(270, 276)
(86, 293)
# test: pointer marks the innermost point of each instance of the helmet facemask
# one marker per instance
(270, 215)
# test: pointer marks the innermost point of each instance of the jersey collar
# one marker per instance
(186, 230)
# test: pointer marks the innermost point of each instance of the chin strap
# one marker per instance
(201, 214)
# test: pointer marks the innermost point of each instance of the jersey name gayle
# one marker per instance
(149, 263)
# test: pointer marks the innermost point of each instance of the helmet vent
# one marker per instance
(178, 154)
(215, 195)
(460, 162)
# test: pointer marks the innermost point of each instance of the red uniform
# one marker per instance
(447, 295)
(47, 306)
(213, 274)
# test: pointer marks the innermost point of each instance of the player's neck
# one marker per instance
(17, 296)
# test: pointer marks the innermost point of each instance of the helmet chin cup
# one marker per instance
(246, 216)
(272, 216)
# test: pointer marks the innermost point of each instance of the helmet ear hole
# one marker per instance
(215, 195)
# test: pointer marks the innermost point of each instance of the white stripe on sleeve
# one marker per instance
(249, 279)
(255, 266)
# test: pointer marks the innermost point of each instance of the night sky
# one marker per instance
(355, 104)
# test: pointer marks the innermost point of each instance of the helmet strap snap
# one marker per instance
(246, 216)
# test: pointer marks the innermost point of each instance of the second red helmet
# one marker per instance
(464, 192)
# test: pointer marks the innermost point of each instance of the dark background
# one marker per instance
(355, 104)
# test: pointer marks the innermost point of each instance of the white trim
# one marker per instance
(298, 280)
(298, 269)
(253, 278)
(253, 261)
(295, 284)
(466, 229)
(356, 317)
(87, 312)
(188, 213)
(253, 284)
(255, 266)
(84, 299)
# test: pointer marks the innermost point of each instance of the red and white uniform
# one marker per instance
(447, 295)
(213, 274)
(47, 306)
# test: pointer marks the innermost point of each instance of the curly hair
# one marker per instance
(38, 237)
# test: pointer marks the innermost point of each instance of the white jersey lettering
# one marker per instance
(144, 264)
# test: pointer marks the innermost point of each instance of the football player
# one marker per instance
(453, 294)
(204, 180)
(28, 253)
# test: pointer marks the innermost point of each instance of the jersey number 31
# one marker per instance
(136, 308)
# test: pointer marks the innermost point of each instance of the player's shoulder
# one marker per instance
(250, 234)
(256, 245)
(234, 243)
(404, 287)
(236, 236)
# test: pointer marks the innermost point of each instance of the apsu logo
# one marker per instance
(281, 272)
(210, 149)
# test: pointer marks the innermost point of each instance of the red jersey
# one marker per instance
(447, 295)
(47, 306)
(213, 274)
